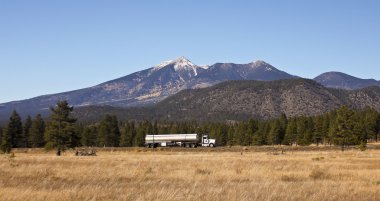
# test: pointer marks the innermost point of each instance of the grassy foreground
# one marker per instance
(178, 175)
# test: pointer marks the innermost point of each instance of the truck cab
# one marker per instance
(207, 142)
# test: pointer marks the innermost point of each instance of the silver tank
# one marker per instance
(171, 138)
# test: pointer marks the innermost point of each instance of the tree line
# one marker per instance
(343, 127)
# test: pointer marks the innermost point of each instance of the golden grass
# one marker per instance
(164, 175)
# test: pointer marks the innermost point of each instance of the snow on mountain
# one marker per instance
(151, 85)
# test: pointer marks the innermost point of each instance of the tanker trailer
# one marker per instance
(182, 140)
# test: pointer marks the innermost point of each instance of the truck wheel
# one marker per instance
(192, 145)
(211, 145)
(187, 145)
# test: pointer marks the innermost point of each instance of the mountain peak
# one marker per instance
(181, 59)
(179, 64)
(183, 63)
(262, 65)
(259, 63)
(341, 80)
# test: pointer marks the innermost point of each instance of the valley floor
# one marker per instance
(138, 174)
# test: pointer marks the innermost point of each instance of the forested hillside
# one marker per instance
(243, 100)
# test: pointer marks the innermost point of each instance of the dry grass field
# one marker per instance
(182, 175)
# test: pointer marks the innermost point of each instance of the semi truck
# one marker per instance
(182, 140)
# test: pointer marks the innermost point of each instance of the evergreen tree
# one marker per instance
(6, 142)
(127, 135)
(1, 134)
(369, 119)
(274, 136)
(108, 132)
(14, 130)
(325, 128)
(376, 137)
(318, 134)
(89, 136)
(26, 131)
(290, 132)
(142, 130)
(344, 131)
(241, 135)
(230, 136)
(303, 131)
(60, 131)
(223, 134)
(36, 133)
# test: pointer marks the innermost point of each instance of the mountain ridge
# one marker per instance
(241, 100)
(334, 79)
(152, 85)
(149, 86)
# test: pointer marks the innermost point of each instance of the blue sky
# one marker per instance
(54, 46)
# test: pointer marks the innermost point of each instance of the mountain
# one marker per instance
(241, 100)
(343, 81)
(149, 86)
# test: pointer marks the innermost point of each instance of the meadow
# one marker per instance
(200, 174)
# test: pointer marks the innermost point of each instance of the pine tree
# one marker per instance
(115, 131)
(301, 131)
(344, 131)
(128, 133)
(230, 136)
(274, 136)
(223, 135)
(290, 132)
(325, 128)
(36, 133)
(60, 131)
(318, 134)
(26, 131)
(377, 128)
(142, 130)
(369, 119)
(6, 142)
(14, 130)
(1, 134)
(108, 132)
(89, 136)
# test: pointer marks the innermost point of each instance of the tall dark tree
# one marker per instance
(303, 131)
(290, 132)
(6, 142)
(1, 134)
(60, 131)
(274, 136)
(36, 133)
(325, 128)
(26, 130)
(318, 132)
(369, 118)
(128, 134)
(14, 130)
(143, 129)
(108, 132)
(89, 136)
(345, 124)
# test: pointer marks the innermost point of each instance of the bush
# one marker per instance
(363, 146)
(318, 174)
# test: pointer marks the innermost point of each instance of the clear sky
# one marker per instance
(54, 46)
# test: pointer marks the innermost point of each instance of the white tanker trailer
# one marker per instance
(182, 140)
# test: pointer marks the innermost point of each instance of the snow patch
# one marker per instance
(205, 67)
(180, 64)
